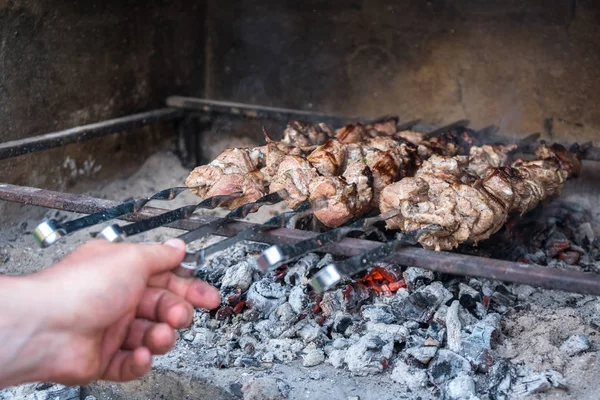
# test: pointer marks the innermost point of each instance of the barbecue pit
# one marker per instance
(421, 323)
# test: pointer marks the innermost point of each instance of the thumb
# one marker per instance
(157, 258)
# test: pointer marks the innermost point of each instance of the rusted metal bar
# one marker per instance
(86, 132)
(251, 111)
(444, 262)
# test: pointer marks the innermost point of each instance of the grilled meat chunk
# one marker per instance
(300, 134)
(442, 192)
(341, 200)
(483, 157)
(329, 158)
(353, 133)
(294, 174)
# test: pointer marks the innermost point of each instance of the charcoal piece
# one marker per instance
(499, 380)
(413, 340)
(447, 365)
(460, 388)
(310, 332)
(265, 296)
(436, 331)
(453, 327)
(584, 234)
(399, 332)
(500, 301)
(420, 305)
(215, 268)
(341, 322)
(331, 303)
(285, 312)
(538, 257)
(409, 376)
(556, 379)
(531, 384)
(337, 358)
(341, 343)
(238, 275)
(284, 350)
(298, 299)
(353, 297)
(265, 389)
(370, 354)
(477, 347)
(423, 354)
(297, 272)
(469, 297)
(575, 344)
(417, 277)
(270, 328)
(313, 356)
(378, 313)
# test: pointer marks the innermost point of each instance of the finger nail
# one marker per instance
(176, 243)
(187, 317)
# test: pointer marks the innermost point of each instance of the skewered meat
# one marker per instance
(385, 127)
(341, 200)
(299, 134)
(359, 174)
(357, 167)
(483, 157)
(294, 175)
(442, 192)
(353, 133)
(453, 141)
(329, 158)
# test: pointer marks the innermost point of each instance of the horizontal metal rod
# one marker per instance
(251, 111)
(86, 132)
(444, 262)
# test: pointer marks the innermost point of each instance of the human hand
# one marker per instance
(100, 313)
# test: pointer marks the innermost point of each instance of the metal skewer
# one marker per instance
(116, 233)
(238, 213)
(193, 261)
(50, 231)
(277, 255)
(331, 274)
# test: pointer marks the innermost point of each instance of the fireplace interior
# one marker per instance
(105, 102)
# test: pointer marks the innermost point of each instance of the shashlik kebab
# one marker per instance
(351, 169)
(446, 192)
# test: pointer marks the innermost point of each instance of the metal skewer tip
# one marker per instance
(47, 233)
(112, 233)
(270, 258)
(326, 278)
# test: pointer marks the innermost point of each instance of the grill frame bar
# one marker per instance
(83, 133)
(442, 262)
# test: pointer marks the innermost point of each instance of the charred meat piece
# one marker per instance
(353, 133)
(385, 127)
(341, 200)
(234, 170)
(329, 158)
(483, 157)
(294, 174)
(300, 134)
(442, 192)
(359, 174)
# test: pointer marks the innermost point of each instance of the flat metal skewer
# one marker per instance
(192, 262)
(277, 255)
(50, 231)
(238, 213)
(331, 274)
(116, 233)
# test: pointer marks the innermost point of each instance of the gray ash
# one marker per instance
(392, 320)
